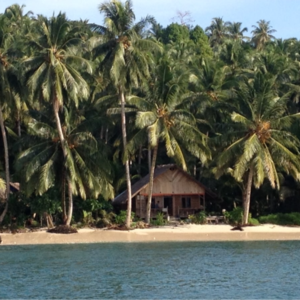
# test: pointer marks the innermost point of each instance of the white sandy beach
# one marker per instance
(167, 233)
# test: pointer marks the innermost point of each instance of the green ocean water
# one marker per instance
(177, 270)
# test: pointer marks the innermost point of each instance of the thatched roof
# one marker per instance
(139, 185)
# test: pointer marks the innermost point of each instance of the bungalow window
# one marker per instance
(186, 202)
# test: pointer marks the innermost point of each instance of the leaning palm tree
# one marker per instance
(262, 34)
(53, 74)
(126, 59)
(259, 143)
(167, 121)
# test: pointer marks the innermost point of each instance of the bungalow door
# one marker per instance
(168, 202)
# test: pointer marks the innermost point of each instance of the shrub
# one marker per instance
(253, 221)
(87, 219)
(160, 220)
(120, 219)
(199, 218)
(235, 216)
(105, 218)
(281, 219)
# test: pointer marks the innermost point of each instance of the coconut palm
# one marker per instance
(162, 113)
(126, 59)
(6, 69)
(20, 23)
(53, 75)
(262, 34)
(41, 165)
(259, 143)
(217, 31)
(236, 31)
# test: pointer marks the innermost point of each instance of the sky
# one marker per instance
(282, 14)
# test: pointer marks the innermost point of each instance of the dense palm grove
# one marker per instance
(88, 109)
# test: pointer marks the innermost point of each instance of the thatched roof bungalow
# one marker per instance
(174, 191)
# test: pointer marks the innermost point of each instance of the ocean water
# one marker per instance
(185, 270)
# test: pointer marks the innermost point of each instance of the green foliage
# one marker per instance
(281, 219)
(87, 219)
(242, 94)
(253, 221)
(198, 36)
(234, 217)
(175, 33)
(160, 220)
(199, 218)
(105, 219)
(120, 219)
(49, 202)
(92, 205)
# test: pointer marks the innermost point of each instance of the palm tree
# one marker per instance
(166, 120)
(262, 34)
(6, 68)
(20, 23)
(259, 143)
(236, 31)
(53, 73)
(126, 60)
(41, 165)
(217, 31)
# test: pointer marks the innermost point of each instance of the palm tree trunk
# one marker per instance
(6, 158)
(149, 157)
(101, 132)
(247, 196)
(70, 206)
(63, 196)
(106, 135)
(127, 169)
(63, 146)
(19, 126)
(151, 179)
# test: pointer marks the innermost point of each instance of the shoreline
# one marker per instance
(181, 233)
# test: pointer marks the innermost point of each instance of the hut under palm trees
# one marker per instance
(175, 193)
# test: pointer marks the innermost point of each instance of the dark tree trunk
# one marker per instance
(6, 159)
(101, 132)
(140, 160)
(106, 135)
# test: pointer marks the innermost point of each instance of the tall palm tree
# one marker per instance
(166, 120)
(41, 165)
(53, 73)
(259, 143)
(126, 60)
(262, 34)
(6, 68)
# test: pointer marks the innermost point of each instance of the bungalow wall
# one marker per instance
(180, 206)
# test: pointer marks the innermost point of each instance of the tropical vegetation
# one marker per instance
(88, 109)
